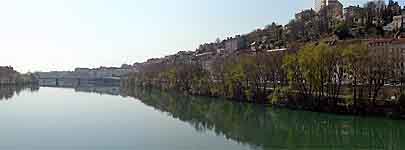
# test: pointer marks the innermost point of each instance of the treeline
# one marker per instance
(240, 77)
(9, 76)
(346, 77)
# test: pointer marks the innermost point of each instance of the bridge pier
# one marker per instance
(57, 81)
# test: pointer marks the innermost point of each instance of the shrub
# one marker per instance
(279, 94)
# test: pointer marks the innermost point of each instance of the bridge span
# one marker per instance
(54, 81)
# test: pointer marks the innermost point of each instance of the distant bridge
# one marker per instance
(73, 81)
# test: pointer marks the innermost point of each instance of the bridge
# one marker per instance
(74, 81)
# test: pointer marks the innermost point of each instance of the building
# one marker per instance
(304, 15)
(355, 16)
(101, 72)
(379, 4)
(394, 16)
(233, 44)
(210, 47)
(394, 8)
(329, 9)
(319, 4)
(392, 52)
(333, 4)
(334, 9)
(86, 73)
(376, 12)
(207, 60)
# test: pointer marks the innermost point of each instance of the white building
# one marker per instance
(319, 4)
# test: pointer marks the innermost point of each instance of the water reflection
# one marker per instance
(267, 128)
(8, 91)
(110, 90)
(89, 88)
(260, 127)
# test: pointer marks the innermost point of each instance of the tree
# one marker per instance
(343, 31)
(317, 72)
(218, 40)
(234, 78)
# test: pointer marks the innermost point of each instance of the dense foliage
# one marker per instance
(344, 77)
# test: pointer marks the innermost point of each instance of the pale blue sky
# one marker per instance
(45, 35)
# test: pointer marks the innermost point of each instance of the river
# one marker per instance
(110, 118)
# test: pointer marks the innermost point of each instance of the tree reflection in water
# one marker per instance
(269, 128)
(8, 91)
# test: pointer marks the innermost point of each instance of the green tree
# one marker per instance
(342, 31)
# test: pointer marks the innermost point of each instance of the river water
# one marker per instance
(110, 118)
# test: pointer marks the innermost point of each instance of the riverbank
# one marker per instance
(388, 109)
(347, 77)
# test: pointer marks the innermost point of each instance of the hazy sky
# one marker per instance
(45, 35)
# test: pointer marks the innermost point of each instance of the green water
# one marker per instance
(269, 128)
(111, 118)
